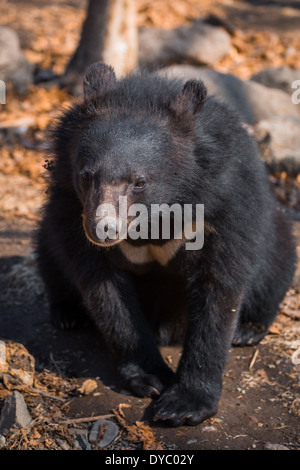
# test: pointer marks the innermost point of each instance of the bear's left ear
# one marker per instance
(190, 100)
(99, 80)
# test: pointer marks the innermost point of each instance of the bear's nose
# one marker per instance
(111, 229)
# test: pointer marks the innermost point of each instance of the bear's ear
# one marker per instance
(99, 80)
(190, 100)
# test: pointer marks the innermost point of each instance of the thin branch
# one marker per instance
(86, 420)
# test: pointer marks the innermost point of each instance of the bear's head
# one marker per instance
(133, 152)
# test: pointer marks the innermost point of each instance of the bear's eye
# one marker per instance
(140, 184)
(85, 175)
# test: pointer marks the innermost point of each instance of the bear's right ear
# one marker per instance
(99, 80)
(190, 100)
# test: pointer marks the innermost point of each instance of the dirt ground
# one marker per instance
(260, 403)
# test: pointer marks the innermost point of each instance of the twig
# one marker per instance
(47, 394)
(86, 420)
(253, 359)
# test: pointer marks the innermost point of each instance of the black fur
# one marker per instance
(192, 149)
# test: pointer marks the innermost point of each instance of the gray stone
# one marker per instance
(93, 436)
(83, 443)
(198, 43)
(251, 100)
(281, 136)
(2, 441)
(63, 444)
(278, 77)
(110, 434)
(14, 67)
(270, 446)
(209, 429)
(14, 413)
(2, 353)
(191, 441)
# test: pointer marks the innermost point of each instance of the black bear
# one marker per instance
(153, 140)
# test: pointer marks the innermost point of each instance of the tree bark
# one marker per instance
(109, 34)
(120, 45)
(91, 42)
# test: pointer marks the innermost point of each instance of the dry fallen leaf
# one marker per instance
(139, 433)
(88, 386)
(275, 329)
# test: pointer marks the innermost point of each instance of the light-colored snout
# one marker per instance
(106, 231)
(105, 224)
(109, 230)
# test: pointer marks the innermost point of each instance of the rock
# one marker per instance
(14, 67)
(83, 443)
(20, 365)
(251, 100)
(278, 77)
(209, 429)
(216, 20)
(14, 413)
(270, 446)
(63, 444)
(191, 441)
(280, 137)
(111, 432)
(3, 363)
(199, 43)
(2, 441)
(95, 429)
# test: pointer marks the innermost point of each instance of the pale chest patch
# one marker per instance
(149, 253)
(162, 254)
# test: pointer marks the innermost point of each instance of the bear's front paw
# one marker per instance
(68, 316)
(179, 406)
(145, 384)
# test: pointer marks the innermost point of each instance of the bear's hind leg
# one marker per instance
(270, 284)
(259, 310)
(249, 333)
(68, 313)
(257, 313)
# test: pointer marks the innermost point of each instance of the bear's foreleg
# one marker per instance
(195, 394)
(114, 306)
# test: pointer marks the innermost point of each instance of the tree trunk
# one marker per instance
(109, 34)
(90, 46)
(120, 45)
